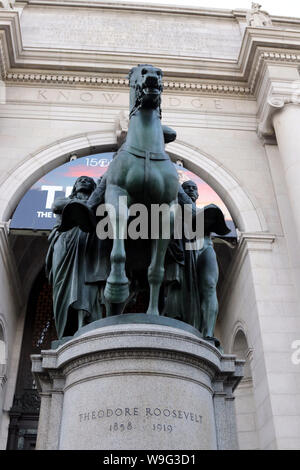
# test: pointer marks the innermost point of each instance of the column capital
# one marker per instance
(279, 85)
(265, 129)
(273, 104)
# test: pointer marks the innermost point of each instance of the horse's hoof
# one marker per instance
(116, 293)
(153, 311)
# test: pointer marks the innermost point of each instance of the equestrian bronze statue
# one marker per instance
(112, 271)
(141, 172)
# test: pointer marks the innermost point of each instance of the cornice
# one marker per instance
(267, 45)
(159, 8)
(268, 57)
(237, 13)
(107, 69)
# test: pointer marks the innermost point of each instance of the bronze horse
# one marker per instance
(142, 173)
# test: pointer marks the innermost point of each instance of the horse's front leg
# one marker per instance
(156, 272)
(156, 269)
(116, 199)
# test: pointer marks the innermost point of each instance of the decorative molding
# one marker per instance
(229, 369)
(214, 88)
(264, 58)
(50, 357)
(267, 46)
(147, 373)
(8, 262)
(273, 93)
(239, 325)
(64, 79)
(247, 242)
(141, 353)
(272, 105)
(4, 56)
(138, 354)
(174, 9)
(273, 56)
(281, 57)
(249, 354)
(256, 241)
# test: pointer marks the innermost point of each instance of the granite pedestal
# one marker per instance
(136, 386)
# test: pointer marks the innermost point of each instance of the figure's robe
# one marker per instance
(182, 298)
(66, 266)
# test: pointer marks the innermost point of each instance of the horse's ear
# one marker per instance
(131, 72)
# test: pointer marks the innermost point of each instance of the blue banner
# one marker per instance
(34, 210)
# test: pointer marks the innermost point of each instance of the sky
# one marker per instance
(273, 7)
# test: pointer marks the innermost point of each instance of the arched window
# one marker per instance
(244, 397)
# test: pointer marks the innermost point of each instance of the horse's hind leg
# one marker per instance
(116, 290)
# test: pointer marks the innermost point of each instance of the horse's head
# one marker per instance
(145, 87)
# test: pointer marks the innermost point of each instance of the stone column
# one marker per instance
(286, 125)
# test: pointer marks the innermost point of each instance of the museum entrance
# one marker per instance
(39, 331)
(30, 227)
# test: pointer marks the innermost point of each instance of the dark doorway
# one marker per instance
(39, 331)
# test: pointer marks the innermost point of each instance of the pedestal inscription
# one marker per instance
(136, 387)
(139, 411)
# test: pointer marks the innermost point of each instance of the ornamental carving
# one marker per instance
(258, 19)
(7, 4)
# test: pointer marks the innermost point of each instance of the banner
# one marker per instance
(34, 212)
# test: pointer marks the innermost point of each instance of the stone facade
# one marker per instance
(231, 91)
